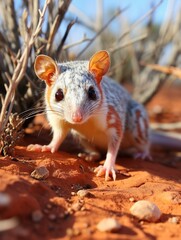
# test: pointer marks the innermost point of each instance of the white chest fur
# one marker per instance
(94, 130)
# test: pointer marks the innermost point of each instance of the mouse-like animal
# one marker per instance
(79, 97)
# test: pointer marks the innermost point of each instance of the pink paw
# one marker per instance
(40, 148)
(103, 170)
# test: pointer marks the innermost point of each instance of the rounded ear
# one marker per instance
(99, 64)
(45, 68)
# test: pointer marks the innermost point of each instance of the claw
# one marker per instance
(40, 148)
(97, 170)
(106, 175)
(113, 174)
(103, 170)
(34, 147)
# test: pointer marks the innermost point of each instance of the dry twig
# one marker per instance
(99, 32)
(19, 70)
(165, 69)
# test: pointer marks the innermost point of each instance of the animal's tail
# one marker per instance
(170, 141)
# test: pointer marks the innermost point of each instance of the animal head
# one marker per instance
(73, 89)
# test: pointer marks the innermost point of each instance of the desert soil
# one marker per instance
(51, 209)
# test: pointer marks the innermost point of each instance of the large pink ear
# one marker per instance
(45, 68)
(99, 64)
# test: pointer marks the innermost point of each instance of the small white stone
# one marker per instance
(82, 193)
(40, 173)
(108, 225)
(157, 109)
(145, 210)
(174, 220)
(5, 200)
(76, 206)
(131, 199)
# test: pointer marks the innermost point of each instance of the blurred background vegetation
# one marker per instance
(28, 28)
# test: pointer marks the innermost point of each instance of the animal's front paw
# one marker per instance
(106, 170)
(40, 148)
(92, 156)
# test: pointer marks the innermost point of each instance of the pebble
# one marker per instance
(157, 110)
(76, 206)
(37, 216)
(49, 206)
(72, 232)
(174, 220)
(131, 199)
(108, 225)
(70, 210)
(83, 208)
(83, 193)
(69, 232)
(145, 210)
(5, 200)
(40, 173)
(52, 217)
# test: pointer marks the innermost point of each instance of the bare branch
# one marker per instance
(99, 32)
(59, 48)
(134, 25)
(165, 69)
(134, 40)
(84, 39)
(20, 70)
(82, 17)
(61, 12)
(8, 10)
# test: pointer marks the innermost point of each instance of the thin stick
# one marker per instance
(140, 20)
(20, 69)
(99, 32)
(65, 36)
(114, 49)
(76, 43)
(165, 69)
(61, 12)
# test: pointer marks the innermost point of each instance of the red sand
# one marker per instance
(66, 215)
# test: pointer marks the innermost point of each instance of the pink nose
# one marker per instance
(77, 116)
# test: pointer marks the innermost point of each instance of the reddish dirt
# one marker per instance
(65, 215)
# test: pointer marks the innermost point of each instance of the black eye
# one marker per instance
(92, 93)
(59, 95)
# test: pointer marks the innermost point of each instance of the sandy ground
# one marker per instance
(51, 209)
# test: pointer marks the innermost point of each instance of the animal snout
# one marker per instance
(77, 116)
